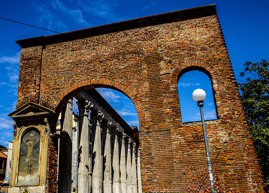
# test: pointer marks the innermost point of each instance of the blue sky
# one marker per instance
(244, 24)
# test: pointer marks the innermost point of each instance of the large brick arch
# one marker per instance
(143, 58)
(65, 95)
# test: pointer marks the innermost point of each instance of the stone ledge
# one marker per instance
(39, 189)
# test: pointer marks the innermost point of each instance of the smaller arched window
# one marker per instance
(187, 83)
(29, 158)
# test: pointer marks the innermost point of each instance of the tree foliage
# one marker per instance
(255, 98)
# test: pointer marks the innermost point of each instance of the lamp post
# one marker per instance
(199, 96)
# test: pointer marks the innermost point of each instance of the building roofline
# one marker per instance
(2, 155)
(169, 17)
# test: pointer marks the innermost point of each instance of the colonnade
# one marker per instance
(108, 158)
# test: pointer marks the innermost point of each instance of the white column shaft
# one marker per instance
(83, 168)
(139, 172)
(65, 160)
(129, 169)
(75, 146)
(116, 166)
(134, 181)
(107, 158)
(123, 166)
(98, 159)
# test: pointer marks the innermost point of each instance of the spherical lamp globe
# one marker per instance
(199, 95)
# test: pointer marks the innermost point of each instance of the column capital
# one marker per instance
(84, 107)
(124, 138)
(134, 147)
(96, 115)
(100, 115)
(70, 101)
(117, 132)
(109, 125)
(104, 124)
(129, 140)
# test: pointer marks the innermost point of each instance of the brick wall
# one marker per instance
(29, 78)
(52, 183)
(124, 56)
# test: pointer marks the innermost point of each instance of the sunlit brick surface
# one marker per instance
(144, 58)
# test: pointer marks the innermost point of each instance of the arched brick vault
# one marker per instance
(70, 91)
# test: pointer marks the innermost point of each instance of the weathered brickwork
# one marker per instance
(29, 79)
(144, 59)
(52, 183)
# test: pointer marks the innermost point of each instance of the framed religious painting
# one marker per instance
(29, 158)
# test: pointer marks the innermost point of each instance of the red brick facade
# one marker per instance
(144, 58)
(52, 176)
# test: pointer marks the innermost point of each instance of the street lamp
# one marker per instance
(199, 96)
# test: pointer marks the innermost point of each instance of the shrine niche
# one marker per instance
(29, 158)
(142, 58)
(30, 144)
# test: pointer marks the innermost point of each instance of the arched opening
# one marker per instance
(187, 83)
(71, 91)
(104, 136)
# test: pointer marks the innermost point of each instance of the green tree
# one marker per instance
(255, 98)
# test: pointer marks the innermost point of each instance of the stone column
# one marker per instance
(83, 167)
(139, 172)
(107, 160)
(129, 168)
(134, 181)
(116, 165)
(90, 154)
(123, 164)
(97, 153)
(75, 146)
(65, 160)
(103, 142)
